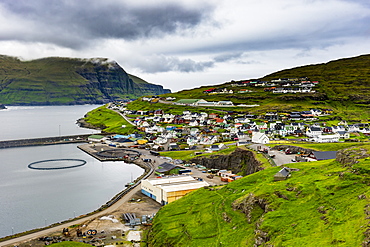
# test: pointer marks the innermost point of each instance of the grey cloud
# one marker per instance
(70, 23)
(165, 64)
(228, 57)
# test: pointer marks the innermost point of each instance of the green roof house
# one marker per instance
(190, 101)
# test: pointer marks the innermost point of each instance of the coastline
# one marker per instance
(109, 206)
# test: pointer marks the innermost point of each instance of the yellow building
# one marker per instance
(168, 189)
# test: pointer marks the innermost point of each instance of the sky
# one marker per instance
(184, 44)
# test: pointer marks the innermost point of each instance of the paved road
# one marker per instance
(280, 157)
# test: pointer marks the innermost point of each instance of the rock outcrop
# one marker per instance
(350, 156)
(240, 161)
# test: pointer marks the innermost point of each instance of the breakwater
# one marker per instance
(44, 141)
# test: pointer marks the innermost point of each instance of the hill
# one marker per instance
(56, 80)
(324, 203)
(343, 85)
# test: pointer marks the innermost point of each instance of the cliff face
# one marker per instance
(240, 161)
(55, 81)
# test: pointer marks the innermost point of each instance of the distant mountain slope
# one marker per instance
(344, 86)
(343, 79)
(55, 80)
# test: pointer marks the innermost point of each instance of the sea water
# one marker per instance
(35, 198)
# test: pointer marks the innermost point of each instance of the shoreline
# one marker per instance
(120, 196)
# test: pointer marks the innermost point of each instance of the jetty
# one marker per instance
(44, 141)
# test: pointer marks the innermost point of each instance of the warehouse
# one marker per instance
(168, 189)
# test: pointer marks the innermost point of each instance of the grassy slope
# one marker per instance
(137, 80)
(200, 218)
(55, 80)
(344, 86)
(30, 77)
(109, 121)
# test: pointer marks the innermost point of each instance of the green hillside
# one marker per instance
(344, 86)
(324, 203)
(55, 80)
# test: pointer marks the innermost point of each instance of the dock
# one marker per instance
(44, 141)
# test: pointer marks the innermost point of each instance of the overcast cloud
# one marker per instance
(188, 43)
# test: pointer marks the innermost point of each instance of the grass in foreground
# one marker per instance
(318, 206)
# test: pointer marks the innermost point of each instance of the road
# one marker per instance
(280, 157)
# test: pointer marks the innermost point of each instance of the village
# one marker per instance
(164, 131)
(202, 133)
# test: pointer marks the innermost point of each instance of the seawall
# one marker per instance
(44, 141)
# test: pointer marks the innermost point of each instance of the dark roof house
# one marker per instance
(282, 174)
(327, 155)
(166, 167)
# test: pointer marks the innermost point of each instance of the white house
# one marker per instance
(343, 134)
(258, 137)
(326, 138)
(313, 131)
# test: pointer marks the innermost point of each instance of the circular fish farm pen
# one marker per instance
(119, 154)
(55, 164)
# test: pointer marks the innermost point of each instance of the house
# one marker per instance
(282, 174)
(123, 142)
(218, 147)
(160, 140)
(173, 146)
(96, 138)
(338, 128)
(241, 120)
(190, 101)
(313, 131)
(323, 155)
(166, 168)
(225, 103)
(194, 131)
(220, 121)
(258, 137)
(168, 189)
(326, 138)
(343, 135)
(316, 112)
(205, 103)
(193, 123)
(353, 128)
(158, 112)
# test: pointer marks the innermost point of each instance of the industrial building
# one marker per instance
(168, 189)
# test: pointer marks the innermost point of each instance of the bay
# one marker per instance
(34, 198)
(22, 122)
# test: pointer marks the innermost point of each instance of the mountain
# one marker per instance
(56, 81)
(344, 86)
(323, 203)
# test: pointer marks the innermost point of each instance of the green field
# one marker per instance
(109, 121)
(318, 205)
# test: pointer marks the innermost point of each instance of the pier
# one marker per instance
(44, 141)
